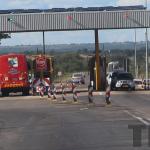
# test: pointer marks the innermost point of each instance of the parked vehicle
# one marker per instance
(14, 74)
(78, 78)
(121, 80)
(139, 84)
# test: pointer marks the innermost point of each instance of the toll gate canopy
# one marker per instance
(61, 19)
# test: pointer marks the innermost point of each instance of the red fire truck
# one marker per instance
(14, 74)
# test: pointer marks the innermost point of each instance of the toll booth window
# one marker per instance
(13, 62)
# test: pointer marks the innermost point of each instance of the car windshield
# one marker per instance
(125, 76)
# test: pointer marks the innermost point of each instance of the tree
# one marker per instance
(4, 36)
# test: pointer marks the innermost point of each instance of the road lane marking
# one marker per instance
(83, 108)
(138, 118)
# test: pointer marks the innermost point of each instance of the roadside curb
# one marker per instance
(123, 92)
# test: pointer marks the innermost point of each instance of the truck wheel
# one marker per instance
(25, 92)
(5, 93)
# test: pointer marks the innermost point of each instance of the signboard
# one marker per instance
(13, 65)
(59, 73)
(41, 64)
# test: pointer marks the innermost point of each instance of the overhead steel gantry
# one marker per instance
(68, 21)
(64, 21)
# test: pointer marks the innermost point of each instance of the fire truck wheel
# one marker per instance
(25, 92)
(5, 93)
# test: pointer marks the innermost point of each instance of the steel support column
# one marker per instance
(97, 61)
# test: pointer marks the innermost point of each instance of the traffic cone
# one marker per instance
(75, 96)
(107, 96)
(90, 94)
(41, 92)
(49, 93)
(63, 97)
(54, 94)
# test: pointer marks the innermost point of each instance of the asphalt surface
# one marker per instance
(34, 123)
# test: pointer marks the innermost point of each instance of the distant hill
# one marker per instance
(72, 47)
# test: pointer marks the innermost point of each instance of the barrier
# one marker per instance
(63, 93)
(49, 93)
(75, 94)
(107, 95)
(41, 90)
(90, 94)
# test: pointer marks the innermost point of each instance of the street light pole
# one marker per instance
(43, 42)
(146, 56)
(135, 54)
(146, 4)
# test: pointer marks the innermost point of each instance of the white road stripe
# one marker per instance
(83, 108)
(138, 118)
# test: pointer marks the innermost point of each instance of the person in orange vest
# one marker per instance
(107, 95)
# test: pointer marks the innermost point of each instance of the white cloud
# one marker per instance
(131, 2)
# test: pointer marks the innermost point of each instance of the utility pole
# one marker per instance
(97, 61)
(146, 56)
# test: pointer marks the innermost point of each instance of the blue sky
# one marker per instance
(70, 36)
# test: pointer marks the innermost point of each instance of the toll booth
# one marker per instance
(92, 70)
(123, 63)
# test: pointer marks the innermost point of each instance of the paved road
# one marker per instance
(139, 104)
(33, 123)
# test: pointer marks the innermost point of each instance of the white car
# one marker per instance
(120, 80)
(78, 78)
(139, 84)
